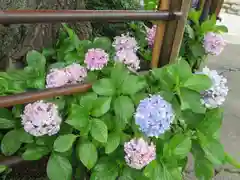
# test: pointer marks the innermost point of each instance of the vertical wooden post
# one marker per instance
(179, 32)
(174, 34)
(164, 5)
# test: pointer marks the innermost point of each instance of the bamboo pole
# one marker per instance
(164, 5)
(180, 30)
(22, 98)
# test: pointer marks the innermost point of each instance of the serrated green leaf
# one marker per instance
(124, 108)
(10, 143)
(78, 117)
(112, 142)
(198, 82)
(6, 123)
(118, 74)
(132, 84)
(64, 143)
(104, 87)
(105, 169)
(101, 106)
(178, 147)
(191, 100)
(157, 171)
(212, 148)
(99, 130)
(212, 122)
(59, 168)
(88, 155)
(86, 100)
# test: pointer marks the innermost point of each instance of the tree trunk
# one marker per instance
(17, 40)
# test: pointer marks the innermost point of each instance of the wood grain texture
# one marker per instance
(164, 5)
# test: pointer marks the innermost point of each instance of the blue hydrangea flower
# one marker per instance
(154, 116)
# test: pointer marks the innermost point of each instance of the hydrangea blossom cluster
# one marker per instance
(216, 95)
(213, 43)
(195, 3)
(154, 116)
(96, 59)
(71, 74)
(138, 153)
(125, 42)
(41, 118)
(151, 32)
(126, 48)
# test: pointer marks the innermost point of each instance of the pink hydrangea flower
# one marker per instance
(213, 43)
(71, 74)
(129, 58)
(96, 59)
(151, 32)
(138, 153)
(125, 42)
(76, 73)
(41, 118)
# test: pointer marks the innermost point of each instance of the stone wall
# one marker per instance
(231, 7)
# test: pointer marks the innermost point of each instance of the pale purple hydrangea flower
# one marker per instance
(138, 153)
(151, 32)
(96, 59)
(213, 43)
(76, 73)
(216, 95)
(71, 74)
(154, 116)
(195, 3)
(125, 42)
(129, 58)
(41, 118)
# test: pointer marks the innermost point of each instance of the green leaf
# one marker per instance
(79, 117)
(6, 123)
(135, 86)
(86, 100)
(36, 60)
(118, 74)
(221, 28)
(35, 153)
(212, 122)
(212, 148)
(124, 108)
(103, 43)
(59, 168)
(106, 169)
(184, 70)
(10, 143)
(178, 147)
(6, 119)
(88, 154)
(190, 31)
(24, 137)
(198, 82)
(101, 106)
(104, 87)
(71, 57)
(157, 171)
(99, 130)
(192, 119)
(207, 26)
(191, 100)
(132, 174)
(112, 143)
(2, 168)
(197, 50)
(64, 143)
(204, 169)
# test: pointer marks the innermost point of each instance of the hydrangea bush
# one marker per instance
(129, 125)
